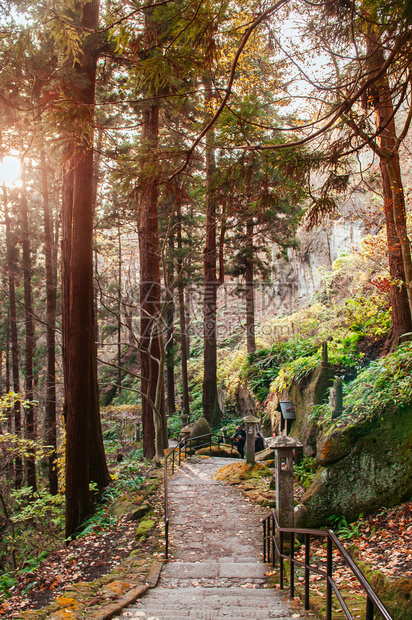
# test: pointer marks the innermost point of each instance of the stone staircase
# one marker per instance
(216, 570)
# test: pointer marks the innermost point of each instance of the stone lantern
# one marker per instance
(252, 427)
(284, 447)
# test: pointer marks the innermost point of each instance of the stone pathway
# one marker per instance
(216, 570)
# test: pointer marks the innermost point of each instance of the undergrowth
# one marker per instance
(382, 388)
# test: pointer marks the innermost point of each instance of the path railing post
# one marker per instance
(307, 560)
(281, 559)
(265, 523)
(328, 578)
(369, 609)
(292, 565)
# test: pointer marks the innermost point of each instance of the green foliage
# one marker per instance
(344, 529)
(368, 316)
(263, 366)
(305, 471)
(47, 509)
(384, 387)
(174, 425)
(6, 582)
(342, 354)
(128, 477)
(36, 524)
(381, 389)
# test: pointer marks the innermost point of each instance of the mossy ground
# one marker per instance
(236, 472)
(89, 573)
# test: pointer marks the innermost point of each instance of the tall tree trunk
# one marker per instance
(211, 409)
(182, 317)
(11, 267)
(401, 314)
(170, 313)
(29, 346)
(250, 291)
(50, 438)
(150, 308)
(84, 442)
(119, 312)
(95, 301)
(400, 265)
(96, 171)
(8, 383)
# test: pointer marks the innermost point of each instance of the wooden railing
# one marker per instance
(274, 549)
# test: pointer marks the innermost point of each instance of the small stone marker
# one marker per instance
(284, 447)
(325, 360)
(251, 424)
(336, 398)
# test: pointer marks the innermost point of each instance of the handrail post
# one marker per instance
(369, 609)
(328, 578)
(292, 564)
(307, 560)
(173, 462)
(272, 538)
(281, 559)
(264, 540)
(167, 539)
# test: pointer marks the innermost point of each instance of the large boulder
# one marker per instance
(363, 466)
(200, 427)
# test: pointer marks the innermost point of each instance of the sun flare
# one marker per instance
(9, 170)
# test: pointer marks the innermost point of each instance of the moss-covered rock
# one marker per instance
(126, 506)
(222, 451)
(264, 455)
(237, 472)
(365, 466)
(200, 427)
(395, 594)
(141, 511)
(144, 527)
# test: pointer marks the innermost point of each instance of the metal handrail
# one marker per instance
(175, 455)
(271, 544)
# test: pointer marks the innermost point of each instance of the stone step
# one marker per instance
(213, 593)
(205, 615)
(164, 614)
(215, 570)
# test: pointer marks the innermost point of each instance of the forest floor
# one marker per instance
(382, 541)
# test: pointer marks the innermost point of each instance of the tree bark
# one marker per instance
(250, 291)
(11, 268)
(400, 265)
(29, 344)
(119, 312)
(182, 317)
(84, 455)
(50, 438)
(150, 307)
(211, 409)
(170, 313)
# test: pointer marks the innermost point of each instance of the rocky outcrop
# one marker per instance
(315, 392)
(363, 467)
(297, 275)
